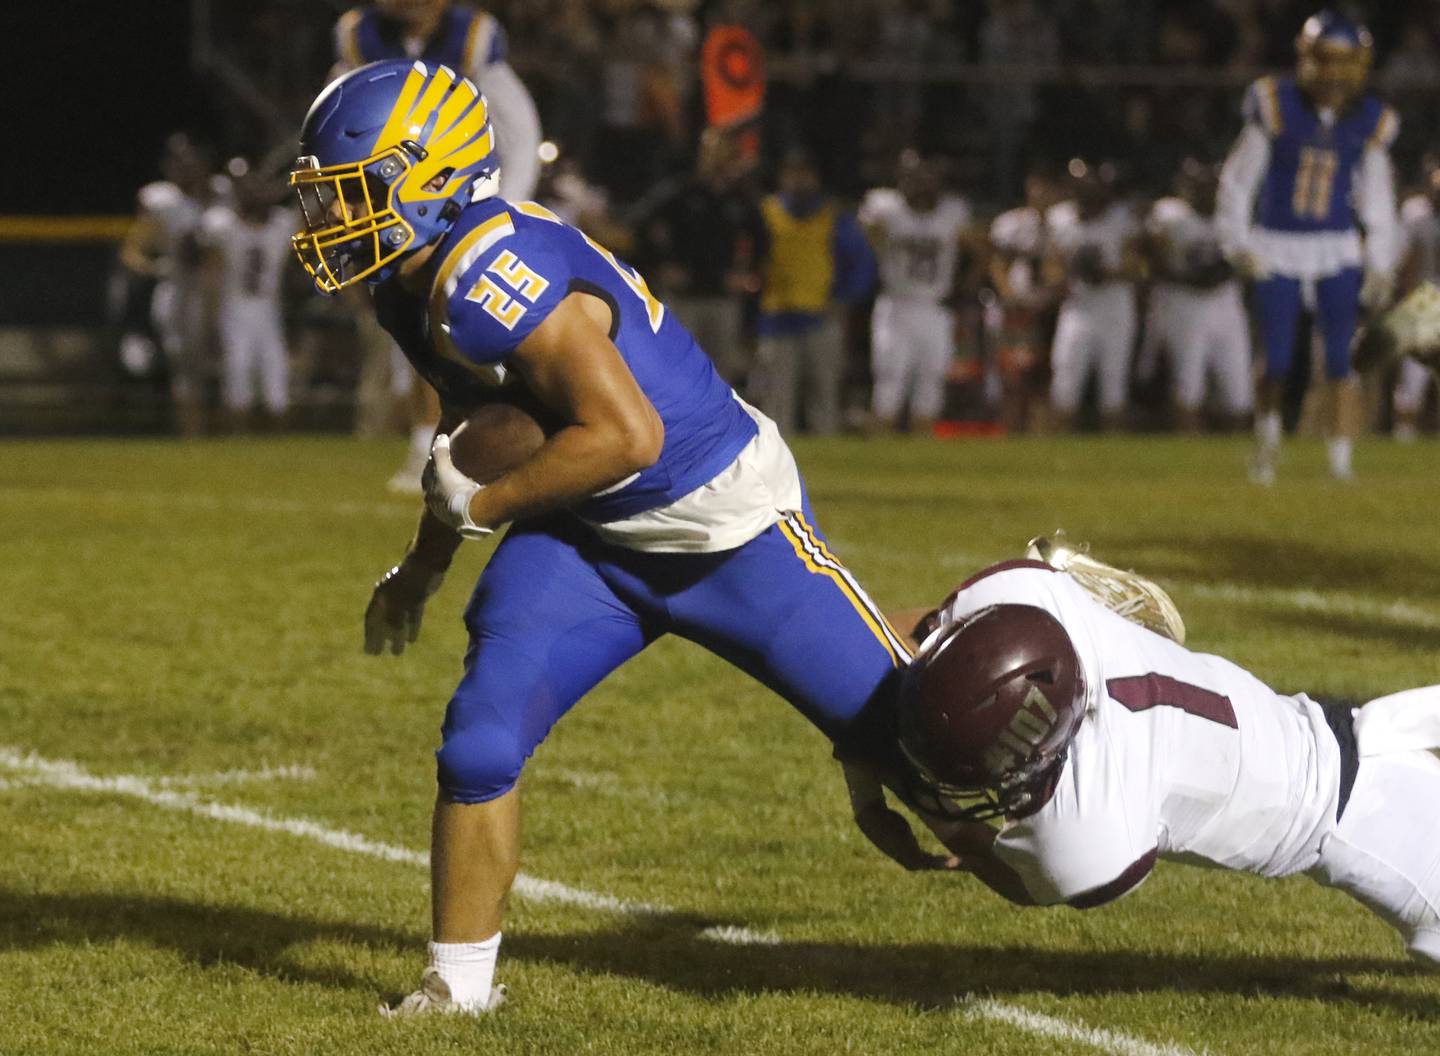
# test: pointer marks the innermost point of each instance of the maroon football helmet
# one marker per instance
(989, 708)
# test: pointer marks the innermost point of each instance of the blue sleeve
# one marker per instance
(854, 260)
(501, 298)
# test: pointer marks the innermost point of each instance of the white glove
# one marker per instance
(1376, 290)
(448, 491)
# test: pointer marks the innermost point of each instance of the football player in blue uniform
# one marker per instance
(473, 43)
(660, 502)
(1310, 169)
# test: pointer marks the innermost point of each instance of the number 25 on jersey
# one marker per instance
(522, 288)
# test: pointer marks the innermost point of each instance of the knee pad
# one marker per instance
(478, 763)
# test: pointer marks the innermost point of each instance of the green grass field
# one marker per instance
(182, 686)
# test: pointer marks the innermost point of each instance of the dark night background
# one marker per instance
(91, 89)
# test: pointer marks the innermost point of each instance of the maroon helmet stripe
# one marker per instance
(1135, 872)
(1143, 692)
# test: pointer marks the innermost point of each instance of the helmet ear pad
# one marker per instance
(992, 702)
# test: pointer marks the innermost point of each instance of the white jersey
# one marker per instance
(1107, 234)
(1420, 234)
(176, 214)
(1020, 234)
(1180, 754)
(1190, 240)
(252, 254)
(919, 249)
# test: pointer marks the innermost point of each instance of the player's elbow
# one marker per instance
(637, 441)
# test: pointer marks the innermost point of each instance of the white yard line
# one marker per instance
(238, 777)
(1056, 1029)
(34, 770)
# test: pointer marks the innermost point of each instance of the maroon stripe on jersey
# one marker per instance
(1143, 692)
(1003, 566)
(1126, 881)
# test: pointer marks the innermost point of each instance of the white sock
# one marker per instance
(420, 437)
(468, 968)
(1267, 428)
(1340, 449)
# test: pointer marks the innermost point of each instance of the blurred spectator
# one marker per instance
(1017, 33)
(815, 261)
(1021, 320)
(1093, 249)
(163, 244)
(917, 231)
(698, 241)
(642, 128)
(249, 245)
(1197, 307)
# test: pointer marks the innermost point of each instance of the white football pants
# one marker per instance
(911, 345)
(254, 344)
(1210, 336)
(1095, 331)
(1386, 849)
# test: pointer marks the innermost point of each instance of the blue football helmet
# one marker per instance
(1334, 56)
(390, 154)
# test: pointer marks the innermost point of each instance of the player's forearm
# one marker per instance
(574, 464)
(434, 544)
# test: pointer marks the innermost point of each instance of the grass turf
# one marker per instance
(180, 610)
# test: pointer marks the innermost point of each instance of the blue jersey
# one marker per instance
(1309, 179)
(500, 271)
(466, 39)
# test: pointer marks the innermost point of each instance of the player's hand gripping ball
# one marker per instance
(495, 439)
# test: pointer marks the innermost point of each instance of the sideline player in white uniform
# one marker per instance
(1015, 320)
(250, 243)
(916, 230)
(1196, 305)
(1103, 746)
(1420, 238)
(1093, 246)
(163, 243)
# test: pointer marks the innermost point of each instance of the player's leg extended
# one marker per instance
(1277, 303)
(544, 629)
(786, 611)
(1385, 850)
(1337, 310)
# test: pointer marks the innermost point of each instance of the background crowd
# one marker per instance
(1010, 105)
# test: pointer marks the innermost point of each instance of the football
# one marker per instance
(494, 439)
